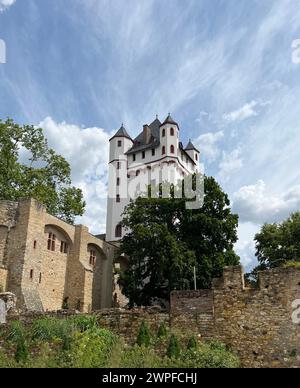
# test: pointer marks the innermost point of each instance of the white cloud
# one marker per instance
(4, 4)
(248, 110)
(296, 52)
(256, 204)
(208, 143)
(245, 246)
(230, 163)
(86, 149)
(246, 250)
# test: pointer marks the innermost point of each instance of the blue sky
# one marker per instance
(225, 69)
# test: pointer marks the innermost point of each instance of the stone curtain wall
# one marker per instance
(193, 310)
(257, 323)
(122, 322)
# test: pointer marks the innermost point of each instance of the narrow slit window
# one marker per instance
(118, 231)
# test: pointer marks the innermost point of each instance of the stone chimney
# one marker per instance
(146, 133)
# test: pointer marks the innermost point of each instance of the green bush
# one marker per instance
(140, 357)
(208, 355)
(85, 345)
(173, 350)
(291, 264)
(144, 336)
(85, 322)
(92, 348)
(162, 331)
(49, 329)
(192, 343)
(18, 336)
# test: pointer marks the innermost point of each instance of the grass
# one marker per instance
(79, 342)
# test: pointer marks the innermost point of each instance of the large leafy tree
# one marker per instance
(278, 243)
(165, 241)
(30, 169)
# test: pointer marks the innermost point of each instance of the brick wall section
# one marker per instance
(193, 310)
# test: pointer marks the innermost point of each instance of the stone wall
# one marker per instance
(257, 323)
(3, 279)
(122, 322)
(41, 278)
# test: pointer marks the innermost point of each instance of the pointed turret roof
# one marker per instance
(191, 146)
(169, 120)
(121, 133)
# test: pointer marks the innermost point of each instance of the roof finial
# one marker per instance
(169, 114)
(156, 116)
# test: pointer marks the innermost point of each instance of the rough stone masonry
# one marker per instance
(256, 322)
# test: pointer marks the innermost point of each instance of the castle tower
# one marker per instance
(156, 155)
(169, 139)
(119, 144)
(192, 151)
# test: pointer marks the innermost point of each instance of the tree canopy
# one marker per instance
(29, 168)
(278, 244)
(165, 241)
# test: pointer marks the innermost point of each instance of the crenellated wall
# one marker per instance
(257, 323)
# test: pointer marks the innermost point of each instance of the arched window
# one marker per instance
(172, 131)
(163, 150)
(137, 172)
(118, 231)
(196, 157)
(163, 133)
(172, 149)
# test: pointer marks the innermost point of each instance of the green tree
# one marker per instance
(165, 241)
(30, 169)
(144, 336)
(278, 244)
(173, 350)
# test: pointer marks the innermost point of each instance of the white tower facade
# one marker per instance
(155, 155)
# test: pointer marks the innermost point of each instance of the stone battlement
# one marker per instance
(257, 322)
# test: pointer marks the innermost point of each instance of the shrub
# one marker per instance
(49, 329)
(291, 264)
(85, 322)
(173, 350)
(208, 355)
(144, 336)
(140, 357)
(192, 343)
(6, 362)
(18, 336)
(162, 331)
(92, 348)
